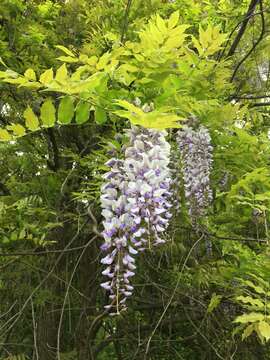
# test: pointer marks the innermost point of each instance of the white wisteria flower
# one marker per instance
(196, 154)
(136, 209)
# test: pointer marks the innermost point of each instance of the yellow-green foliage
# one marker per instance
(159, 67)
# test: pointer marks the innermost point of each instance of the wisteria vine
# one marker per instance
(117, 228)
(147, 168)
(136, 208)
(196, 154)
(138, 195)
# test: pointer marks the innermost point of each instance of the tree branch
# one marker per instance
(254, 45)
(55, 151)
(260, 104)
(45, 252)
(233, 31)
(249, 97)
(125, 22)
(242, 29)
(237, 238)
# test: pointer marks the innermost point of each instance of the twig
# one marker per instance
(260, 104)
(172, 296)
(57, 278)
(237, 239)
(249, 97)
(95, 224)
(254, 45)
(34, 330)
(17, 316)
(242, 29)
(39, 253)
(125, 22)
(232, 32)
(65, 299)
(72, 169)
(232, 238)
(56, 157)
(197, 329)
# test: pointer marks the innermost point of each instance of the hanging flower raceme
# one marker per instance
(147, 168)
(118, 224)
(196, 153)
(135, 206)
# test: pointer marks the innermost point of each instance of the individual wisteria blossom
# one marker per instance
(147, 168)
(118, 225)
(135, 205)
(196, 153)
(175, 165)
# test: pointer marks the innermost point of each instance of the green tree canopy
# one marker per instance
(74, 76)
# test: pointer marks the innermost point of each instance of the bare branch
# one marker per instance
(254, 45)
(260, 104)
(249, 97)
(55, 151)
(125, 22)
(242, 29)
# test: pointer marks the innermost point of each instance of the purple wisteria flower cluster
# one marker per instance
(119, 260)
(196, 153)
(136, 209)
(149, 180)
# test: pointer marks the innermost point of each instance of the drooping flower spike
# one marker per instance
(196, 154)
(117, 224)
(149, 180)
(135, 203)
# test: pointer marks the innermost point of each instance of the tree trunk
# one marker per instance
(46, 334)
(85, 336)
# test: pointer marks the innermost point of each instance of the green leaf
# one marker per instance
(17, 129)
(2, 62)
(31, 85)
(82, 112)
(210, 40)
(61, 74)
(264, 329)
(31, 120)
(92, 60)
(157, 119)
(103, 61)
(100, 115)
(18, 81)
(248, 331)
(83, 58)
(66, 110)
(250, 300)
(173, 20)
(46, 77)
(65, 50)
(214, 302)
(3, 74)
(30, 74)
(8, 74)
(47, 113)
(161, 24)
(258, 289)
(5, 135)
(67, 59)
(129, 67)
(251, 317)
